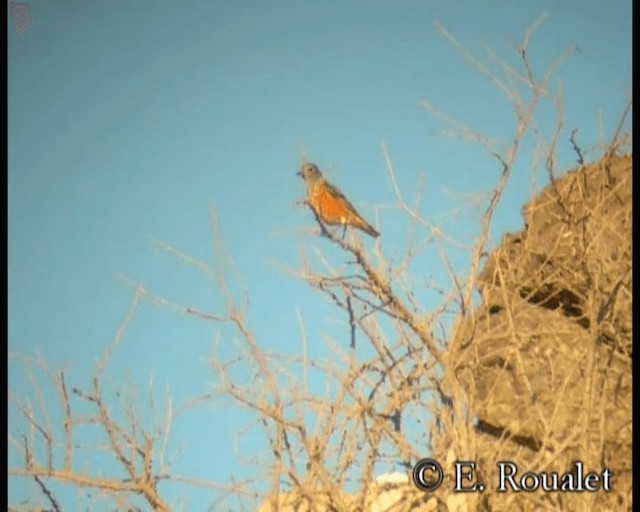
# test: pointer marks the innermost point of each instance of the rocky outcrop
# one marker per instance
(545, 361)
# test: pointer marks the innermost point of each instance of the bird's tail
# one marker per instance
(367, 228)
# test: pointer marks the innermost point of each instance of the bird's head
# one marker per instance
(309, 172)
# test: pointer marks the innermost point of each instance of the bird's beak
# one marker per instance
(299, 173)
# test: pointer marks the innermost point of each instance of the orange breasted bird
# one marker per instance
(329, 204)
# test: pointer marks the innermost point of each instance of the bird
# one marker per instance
(329, 204)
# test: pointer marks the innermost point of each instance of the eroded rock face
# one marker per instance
(546, 359)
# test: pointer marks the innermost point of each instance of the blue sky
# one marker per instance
(130, 120)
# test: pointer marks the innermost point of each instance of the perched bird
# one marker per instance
(329, 204)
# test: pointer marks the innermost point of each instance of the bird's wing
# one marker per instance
(335, 192)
